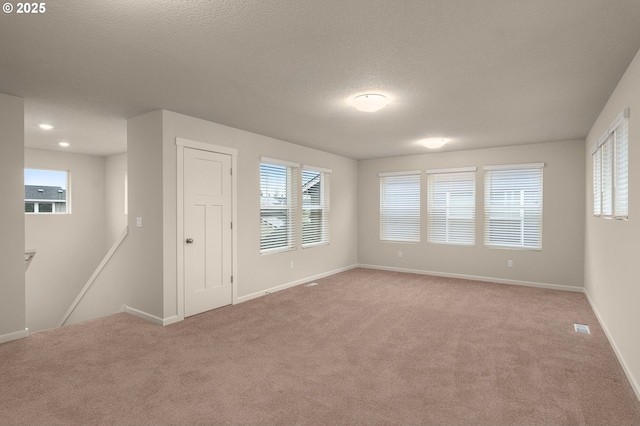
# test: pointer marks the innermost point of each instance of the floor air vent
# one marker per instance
(581, 328)
(311, 284)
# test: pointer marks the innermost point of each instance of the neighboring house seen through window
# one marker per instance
(315, 206)
(45, 191)
(278, 205)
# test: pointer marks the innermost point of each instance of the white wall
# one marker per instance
(70, 246)
(142, 274)
(133, 277)
(12, 290)
(560, 263)
(115, 171)
(611, 248)
(257, 273)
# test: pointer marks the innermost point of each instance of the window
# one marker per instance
(451, 206)
(611, 170)
(315, 206)
(607, 177)
(45, 191)
(278, 205)
(621, 169)
(513, 206)
(400, 206)
(597, 183)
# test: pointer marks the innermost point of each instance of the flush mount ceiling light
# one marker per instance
(369, 102)
(45, 126)
(433, 143)
(63, 144)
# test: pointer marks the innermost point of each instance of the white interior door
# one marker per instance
(207, 231)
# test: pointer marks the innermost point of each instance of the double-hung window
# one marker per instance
(611, 170)
(513, 206)
(278, 205)
(400, 206)
(451, 206)
(315, 206)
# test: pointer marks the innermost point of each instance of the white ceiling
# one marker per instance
(481, 73)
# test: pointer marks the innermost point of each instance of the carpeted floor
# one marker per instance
(364, 347)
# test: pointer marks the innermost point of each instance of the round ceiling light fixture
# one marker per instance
(369, 102)
(63, 144)
(433, 143)
(45, 126)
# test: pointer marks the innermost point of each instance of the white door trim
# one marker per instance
(181, 144)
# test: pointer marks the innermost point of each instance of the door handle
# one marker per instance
(189, 241)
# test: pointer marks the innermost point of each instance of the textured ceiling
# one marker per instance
(481, 73)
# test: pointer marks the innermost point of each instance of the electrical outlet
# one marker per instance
(292, 264)
(510, 263)
(399, 254)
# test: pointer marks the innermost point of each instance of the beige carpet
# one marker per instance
(363, 347)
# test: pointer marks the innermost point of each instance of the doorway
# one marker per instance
(206, 236)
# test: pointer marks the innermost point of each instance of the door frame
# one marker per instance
(181, 144)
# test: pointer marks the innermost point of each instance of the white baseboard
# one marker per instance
(476, 278)
(4, 338)
(632, 380)
(151, 318)
(171, 320)
(292, 284)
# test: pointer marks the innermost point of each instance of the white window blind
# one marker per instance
(278, 205)
(315, 206)
(607, 177)
(451, 203)
(513, 206)
(400, 206)
(621, 193)
(597, 182)
(611, 170)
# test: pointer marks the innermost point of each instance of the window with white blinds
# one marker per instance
(607, 177)
(513, 206)
(621, 168)
(400, 206)
(278, 205)
(451, 206)
(315, 206)
(611, 170)
(597, 182)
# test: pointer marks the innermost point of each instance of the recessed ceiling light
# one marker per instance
(45, 126)
(64, 144)
(433, 143)
(369, 102)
